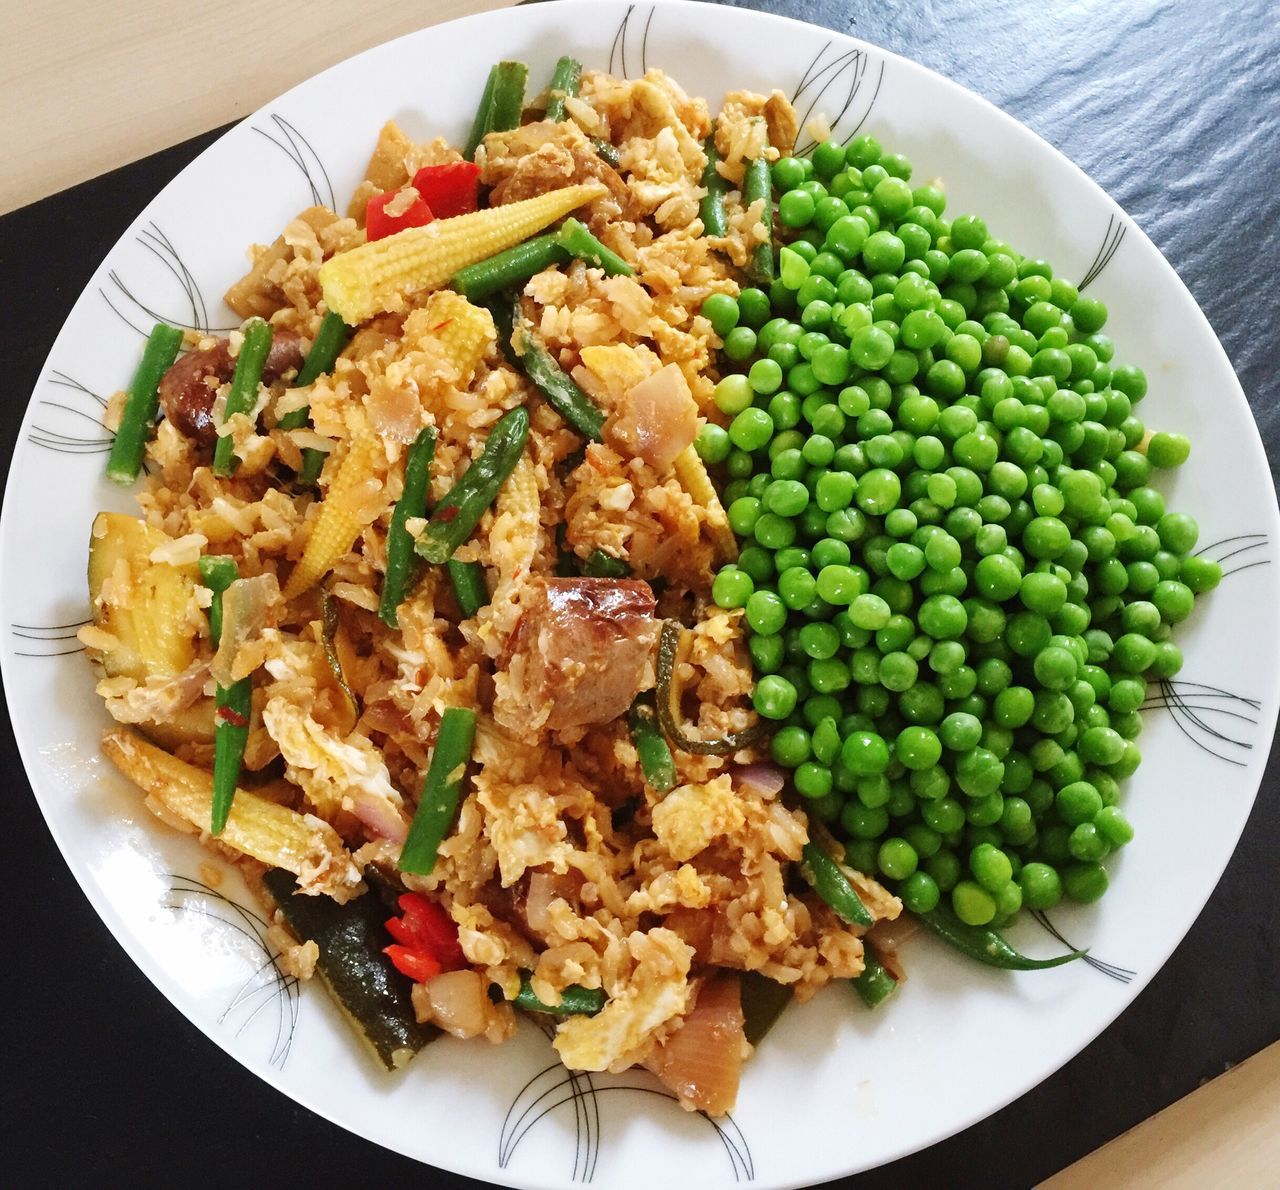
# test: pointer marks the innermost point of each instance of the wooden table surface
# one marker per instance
(134, 80)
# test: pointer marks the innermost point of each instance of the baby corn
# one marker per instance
(273, 834)
(379, 276)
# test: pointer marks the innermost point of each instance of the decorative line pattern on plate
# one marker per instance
(1193, 704)
(78, 443)
(1111, 240)
(161, 247)
(843, 76)
(543, 1094)
(1240, 550)
(618, 51)
(298, 149)
(48, 641)
(267, 986)
(1110, 970)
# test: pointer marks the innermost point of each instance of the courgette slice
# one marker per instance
(148, 611)
(372, 994)
(763, 1001)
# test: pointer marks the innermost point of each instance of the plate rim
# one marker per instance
(132, 943)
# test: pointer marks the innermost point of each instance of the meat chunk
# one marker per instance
(578, 654)
(535, 158)
(188, 389)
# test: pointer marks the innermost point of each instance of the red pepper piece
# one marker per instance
(378, 224)
(432, 929)
(401, 933)
(415, 964)
(449, 190)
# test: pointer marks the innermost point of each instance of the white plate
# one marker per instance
(834, 1089)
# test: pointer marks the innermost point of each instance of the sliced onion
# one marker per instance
(383, 820)
(459, 1004)
(248, 606)
(542, 892)
(765, 779)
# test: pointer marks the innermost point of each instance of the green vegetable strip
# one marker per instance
(312, 465)
(876, 983)
(763, 1001)
(413, 502)
(330, 339)
(832, 885)
(606, 152)
(559, 389)
(329, 624)
(457, 515)
(142, 403)
(244, 389)
(233, 703)
(757, 184)
(712, 206)
(440, 791)
(564, 82)
(656, 761)
(668, 643)
(985, 944)
(514, 266)
(469, 587)
(598, 564)
(483, 123)
(508, 96)
(578, 241)
(574, 1000)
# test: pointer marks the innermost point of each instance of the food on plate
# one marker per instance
(619, 564)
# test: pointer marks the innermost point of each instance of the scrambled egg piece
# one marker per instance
(690, 817)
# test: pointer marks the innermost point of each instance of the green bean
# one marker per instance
(598, 564)
(469, 587)
(876, 983)
(233, 703)
(574, 1000)
(500, 105)
(606, 152)
(763, 1001)
(330, 339)
(401, 562)
(827, 879)
(457, 515)
(244, 389)
(312, 465)
(668, 642)
(757, 184)
(514, 266)
(578, 241)
(561, 393)
(508, 96)
(716, 186)
(564, 83)
(440, 791)
(142, 403)
(656, 761)
(482, 124)
(987, 945)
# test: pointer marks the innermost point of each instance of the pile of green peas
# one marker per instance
(957, 578)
